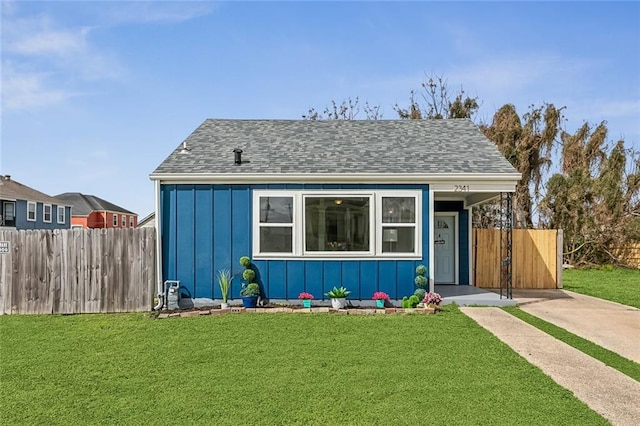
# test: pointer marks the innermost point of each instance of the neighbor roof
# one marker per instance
(13, 190)
(420, 147)
(83, 204)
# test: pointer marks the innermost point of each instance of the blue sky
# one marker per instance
(96, 94)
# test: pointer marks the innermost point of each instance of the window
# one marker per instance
(115, 220)
(325, 224)
(124, 221)
(337, 224)
(130, 221)
(46, 213)
(398, 224)
(61, 217)
(31, 211)
(275, 226)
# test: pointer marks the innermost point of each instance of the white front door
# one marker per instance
(445, 248)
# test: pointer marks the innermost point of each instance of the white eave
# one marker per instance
(438, 181)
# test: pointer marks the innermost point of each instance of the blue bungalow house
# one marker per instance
(318, 204)
(22, 207)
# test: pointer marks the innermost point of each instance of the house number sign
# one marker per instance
(461, 188)
(4, 247)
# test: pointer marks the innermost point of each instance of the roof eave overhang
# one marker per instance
(446, 182)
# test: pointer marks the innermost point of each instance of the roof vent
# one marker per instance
(7, 177)
(237, 156)
(184, 149)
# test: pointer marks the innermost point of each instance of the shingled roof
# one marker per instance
(13, 190)
(421, 147)
(83, 204)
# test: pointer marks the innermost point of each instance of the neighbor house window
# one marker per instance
(31, 211)
(46, 213)
(317, 224)
(130, 221)
(115, 220)
(61, 218)
(124, 221)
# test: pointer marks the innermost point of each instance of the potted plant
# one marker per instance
(338, 297)
(224, 281)
(250, 293)
(306, 299)
(250, 290)
(380, 297)
(432, 300)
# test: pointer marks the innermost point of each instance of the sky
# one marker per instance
(95, 95)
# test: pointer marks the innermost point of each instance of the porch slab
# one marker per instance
(466, 295)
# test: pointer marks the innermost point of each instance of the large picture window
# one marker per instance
(326, 224)
(337, 223)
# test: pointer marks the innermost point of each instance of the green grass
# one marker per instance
(617, 285)
(272, 369)
(612, 359)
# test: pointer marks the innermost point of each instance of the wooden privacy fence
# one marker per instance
(536, 258)
(77, 271)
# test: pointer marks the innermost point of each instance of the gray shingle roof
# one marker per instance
(83, 204)
(13, 190)
(337, 146)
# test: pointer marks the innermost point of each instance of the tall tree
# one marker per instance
(438, 103)
(527, 144)
(594, 197)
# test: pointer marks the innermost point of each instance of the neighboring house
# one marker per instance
(317, 204)
(149, 221)
(22, 207)
(90, 211)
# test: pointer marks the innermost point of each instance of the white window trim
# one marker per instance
(44, 213)
(35, 211)
(64, 217)
(298, 225)
(115, 220)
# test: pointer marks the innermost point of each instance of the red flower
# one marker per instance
(305, 295)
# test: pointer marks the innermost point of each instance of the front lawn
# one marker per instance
(617, 285)
(272, 369)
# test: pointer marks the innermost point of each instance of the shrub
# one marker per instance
(251, 289)
(245, 261)
(420, 292)
(413, 301)
(421, 281)
(337, 293)
(248, 275)
(421, 270)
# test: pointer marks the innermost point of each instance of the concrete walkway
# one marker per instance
(605, 390)
(608, 324)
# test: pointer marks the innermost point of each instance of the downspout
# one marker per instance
(161, 290)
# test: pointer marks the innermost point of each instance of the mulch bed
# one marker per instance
(295, 310)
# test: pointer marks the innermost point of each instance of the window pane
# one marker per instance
(276, 209)
(337, 224)
(276, 239)
(398, 210)
(398, 240)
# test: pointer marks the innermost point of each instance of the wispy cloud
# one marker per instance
(27, 90)
(156, 12)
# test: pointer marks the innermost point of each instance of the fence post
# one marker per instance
(559, 258)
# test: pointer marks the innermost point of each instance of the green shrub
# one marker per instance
(405, 302)
(245, 261)
(248, 275)
(419, 293)
(413, 301)
(421, 281)
(337, 293)
(421, 270)
(251, 289)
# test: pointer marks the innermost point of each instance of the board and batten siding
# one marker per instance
(207, 227)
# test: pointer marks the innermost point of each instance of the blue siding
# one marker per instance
(23, 223)
(209, 227)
